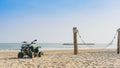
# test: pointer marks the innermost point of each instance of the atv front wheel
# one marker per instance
(20, 55)
(30, 54)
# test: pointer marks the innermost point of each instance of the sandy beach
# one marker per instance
(63, 59)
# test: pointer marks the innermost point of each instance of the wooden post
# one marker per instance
(75, 40)
(118, 41)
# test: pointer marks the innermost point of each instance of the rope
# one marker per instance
(112, 40)
(83, 40)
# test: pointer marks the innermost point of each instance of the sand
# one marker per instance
(63, 59)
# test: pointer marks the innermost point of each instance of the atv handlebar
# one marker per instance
(33, 42)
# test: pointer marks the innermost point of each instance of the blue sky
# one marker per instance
(53, 20)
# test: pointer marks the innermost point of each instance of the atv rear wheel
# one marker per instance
(40, 54)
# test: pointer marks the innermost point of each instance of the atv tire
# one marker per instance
(35, 54)
(40, 54)
(30, 54)
(20, 55)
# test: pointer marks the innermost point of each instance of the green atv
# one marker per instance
(28, 50)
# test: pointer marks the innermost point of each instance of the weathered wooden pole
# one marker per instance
(75, 40)
(118, 41)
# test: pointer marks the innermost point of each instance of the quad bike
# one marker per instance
(28, 50)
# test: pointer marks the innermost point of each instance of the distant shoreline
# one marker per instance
(79, 43)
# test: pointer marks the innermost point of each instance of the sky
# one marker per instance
(52, 21)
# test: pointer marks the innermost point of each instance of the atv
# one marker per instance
(29, 50)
